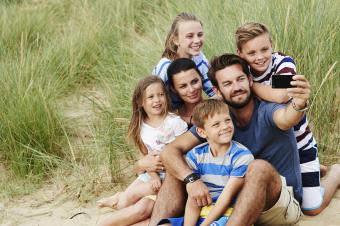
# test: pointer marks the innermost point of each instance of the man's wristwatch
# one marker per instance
(191, 178)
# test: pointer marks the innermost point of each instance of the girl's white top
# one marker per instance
(156, 138)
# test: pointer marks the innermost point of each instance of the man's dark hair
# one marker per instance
(223, 61)
(179, 65)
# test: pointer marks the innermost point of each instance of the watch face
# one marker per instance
(191, 178)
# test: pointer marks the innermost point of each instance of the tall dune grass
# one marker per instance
(53, 48)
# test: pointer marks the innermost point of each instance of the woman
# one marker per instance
(186, 83)
(185, 40)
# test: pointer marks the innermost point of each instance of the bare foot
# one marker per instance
(323, 170)
(110, 201)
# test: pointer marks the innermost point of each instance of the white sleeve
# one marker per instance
(180, 126)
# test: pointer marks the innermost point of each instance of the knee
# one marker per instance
(143, 209)
(334, 174)
(144, 213)
(259, 168)
(335, 169)
(132, 197)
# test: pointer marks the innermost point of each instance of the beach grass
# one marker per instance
(53, 49)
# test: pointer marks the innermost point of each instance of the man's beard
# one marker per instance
(240, 104)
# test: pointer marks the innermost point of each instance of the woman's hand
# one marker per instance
(150, 163)
(156, 184)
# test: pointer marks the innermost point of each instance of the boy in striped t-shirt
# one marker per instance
(221, 164)
(254, 45)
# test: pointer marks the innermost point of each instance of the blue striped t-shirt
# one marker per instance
(216, 171)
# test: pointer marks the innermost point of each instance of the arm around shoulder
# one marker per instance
(173, 155)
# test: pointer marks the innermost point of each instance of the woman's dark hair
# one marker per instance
(179, 65)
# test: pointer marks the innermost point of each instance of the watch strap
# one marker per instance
(191, 178)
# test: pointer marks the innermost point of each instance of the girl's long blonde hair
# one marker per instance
(170, 51)
(138, 113)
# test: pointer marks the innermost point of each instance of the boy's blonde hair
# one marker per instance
(170, 51)
(249, 31)
(206, 109)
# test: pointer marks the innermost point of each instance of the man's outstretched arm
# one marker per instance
(286, 118)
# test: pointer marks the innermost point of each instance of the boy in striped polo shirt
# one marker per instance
(221, 164)
(254, 45)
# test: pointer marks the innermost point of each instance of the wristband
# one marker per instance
(191, 178)
(300, 110)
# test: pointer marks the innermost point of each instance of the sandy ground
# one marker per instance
(46, 208)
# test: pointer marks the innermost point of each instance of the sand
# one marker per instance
(45, 208)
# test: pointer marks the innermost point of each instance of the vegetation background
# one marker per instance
(68, 68)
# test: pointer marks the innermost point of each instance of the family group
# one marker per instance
(243, 156)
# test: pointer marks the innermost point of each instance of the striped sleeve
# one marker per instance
(203, 66)
(240, 161)
(286, 65)
(161, 69)
(191, 160)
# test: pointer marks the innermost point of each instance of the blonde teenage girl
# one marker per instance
(184, 40)
(152, 126)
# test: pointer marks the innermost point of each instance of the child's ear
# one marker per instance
(201, 132)
(175, 41)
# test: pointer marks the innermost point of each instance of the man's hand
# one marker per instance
(199, 192)
(150, 163)
(285, 118)
(301, 92)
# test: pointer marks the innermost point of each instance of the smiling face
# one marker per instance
(154, 100)
(218, 128)
(234, 86)
(257, 52)
(190, 38)
(188, 86)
